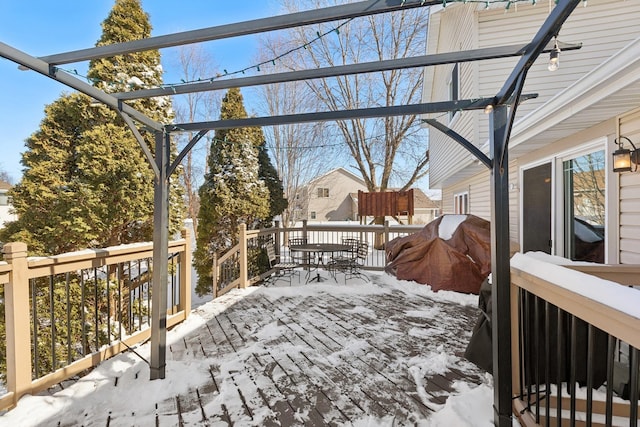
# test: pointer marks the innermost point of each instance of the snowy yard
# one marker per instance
(383, 353)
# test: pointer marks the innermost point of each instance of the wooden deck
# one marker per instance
(316, 361)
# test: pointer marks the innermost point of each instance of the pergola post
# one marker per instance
(160, 256)
(500, 267)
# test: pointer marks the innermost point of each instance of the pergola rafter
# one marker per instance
(501, 118)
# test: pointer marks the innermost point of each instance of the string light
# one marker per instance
(257, 67)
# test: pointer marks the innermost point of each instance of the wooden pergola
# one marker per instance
(503, 107)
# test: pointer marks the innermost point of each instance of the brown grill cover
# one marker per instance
(459, 264)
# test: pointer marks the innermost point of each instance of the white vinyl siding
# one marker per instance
(602, 27)
(442, 150)
(629, 216)
(479, 190)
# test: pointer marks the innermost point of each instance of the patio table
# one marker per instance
(319, 249)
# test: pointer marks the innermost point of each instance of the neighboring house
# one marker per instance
(329, 197)
(334, 197)
(5, 204)
(561, 146)
(425, 209)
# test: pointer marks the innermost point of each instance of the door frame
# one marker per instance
(557, 195)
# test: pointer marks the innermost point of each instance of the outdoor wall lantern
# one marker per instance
(624, 159)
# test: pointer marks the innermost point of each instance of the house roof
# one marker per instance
(341, 170)
(5, 185)
(422, 201)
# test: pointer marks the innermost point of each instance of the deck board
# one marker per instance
(346, 360)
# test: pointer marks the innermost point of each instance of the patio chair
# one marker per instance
(298, 257)
(284, 270)
(352, 252)
(351, 267)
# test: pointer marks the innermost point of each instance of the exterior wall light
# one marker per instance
(625, 160)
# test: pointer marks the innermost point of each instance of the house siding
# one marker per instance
(602, 27)
(479, 188)
(442, 150)
(629, 214)
(339, 206)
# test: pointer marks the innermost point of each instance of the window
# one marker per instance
(4, 200)
(461, 203)
(454, 88)
(584, 207)
(323, 192)
(312, 215)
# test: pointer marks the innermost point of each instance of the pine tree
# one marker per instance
(232, 191)
(278, 202)
(86, 182)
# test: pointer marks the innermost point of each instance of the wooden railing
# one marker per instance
(67, 313)
(233, 269)
(574, 326)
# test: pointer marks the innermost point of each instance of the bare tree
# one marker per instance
(195, 63)
(386, 151)
(4, 176)
(300, 151)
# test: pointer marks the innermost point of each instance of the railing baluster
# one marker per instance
(54, 361)
(34, 305)
(95, 304)
(69, 355)
(527, 346)
(590, 350)
(107, 283)
(572, 371)
(536, 327)
(633, 384)
(611, 354)
(521, 338)
(119, 267)
(83, 316)
(547, 363)
(559, 365)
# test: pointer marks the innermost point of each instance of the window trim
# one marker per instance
(460, 200)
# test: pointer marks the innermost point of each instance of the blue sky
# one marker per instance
(41, 28)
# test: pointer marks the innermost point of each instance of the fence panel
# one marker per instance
(66, 313)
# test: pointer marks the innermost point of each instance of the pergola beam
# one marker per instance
(279, 22)
(549, 29)
(46, 69)
(323, 116)
(341, 70)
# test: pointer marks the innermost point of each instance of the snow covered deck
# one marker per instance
(381, 353)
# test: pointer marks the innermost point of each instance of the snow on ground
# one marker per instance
(469, 405)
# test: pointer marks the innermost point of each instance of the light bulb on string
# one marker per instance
(554, 57)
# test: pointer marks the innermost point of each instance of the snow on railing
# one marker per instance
(574, 332)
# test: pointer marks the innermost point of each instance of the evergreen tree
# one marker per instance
(86, 182)
(232, 191)
(278, 202)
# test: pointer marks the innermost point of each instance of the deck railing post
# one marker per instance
(386, 233)
(185, 274)
(244, 274)
(18, 331)
(215, 274)
(277, 240)
(304, 230)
